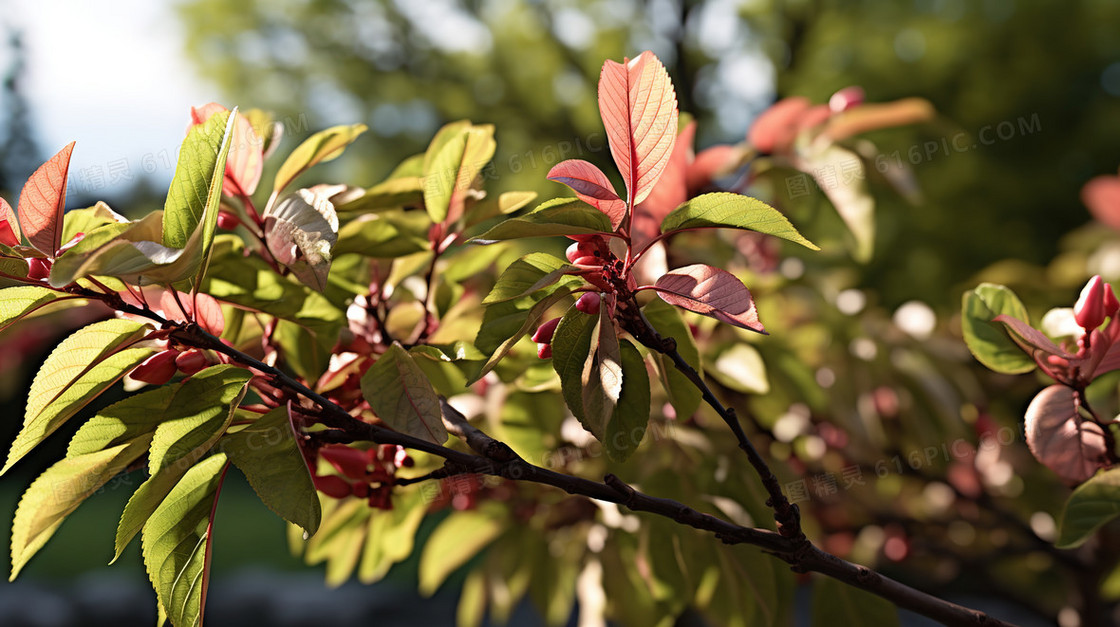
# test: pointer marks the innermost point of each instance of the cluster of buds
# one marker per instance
(367, 474)
(588, 303)
(159, 368)
(1096, 303)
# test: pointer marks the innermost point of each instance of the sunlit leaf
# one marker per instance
(23, 300)
(78, 370)
(197, 184)
(841, 175)
(322, 146)
(457, 539)
(741, 368)
(267, 453)
(987, 339)
(176, 542)
(639, 110)
(9, 225)
(560, 216)
(723, 209)
(711, 292)
(301, 231)
(385, 235)
(87, 219)
(202, 309)
(245, 162)
(43, 201)
(402, 397)
(1073, 447)
(527, 275)
(591, 186)
(505, 323)
(1091, 505)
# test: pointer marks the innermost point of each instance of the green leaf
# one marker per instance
(490, 207)
(391, 535)
(571, 350)
(404, 191)
(456, 540)
(18, 302)
(987, 340)
(725, 209)
(60, 490)
(628, 422)
(527, 275)
(602, 376)
(267, 453)
(400, 395)
(741, 368)
(87, 219)
(384, 235)
(78, 370)
(837, 603)
(199, 414)
(666, 320)
(322, 146)
(176, 542)
(505, 323)
(197, 183)
(1091, 505)
(559, 216)
(441, 172)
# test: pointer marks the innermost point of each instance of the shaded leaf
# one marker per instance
(711, 292)
(402, 397)
(666, 320)
(559, 216)
(79, 369)
(43, 201)
(602, 376)
(384, 235)
(176, 542)
(724, 209)
(267, 453)
(986, 339)
(591, 186)
(837, 603)
(639, 110)
(1074, 448)
(1091, 505)
(630, 417)
(571, 351)
(847, 193)
(322, 146)
(202, 309)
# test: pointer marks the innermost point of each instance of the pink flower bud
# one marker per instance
(544, 332)
(191, 361)
(1090, 308)
(157, 369)
(544, 351)
(846, 99)
(589, 303)
(333, 485)
(228, 221)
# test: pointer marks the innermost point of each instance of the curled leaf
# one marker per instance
(592, 186)
(711, 292)
(301, 232)
(1073, 447)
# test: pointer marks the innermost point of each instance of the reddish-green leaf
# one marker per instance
(245, 162)
(591, 186)
(1074, 448)
(671, 190)
(43, 200)
(401, 396)
(712, 292)
(320, 147)
(9, 225)
(639, 110)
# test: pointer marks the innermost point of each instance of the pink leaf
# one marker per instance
(774, 130)
(711, 292)
(639, 110)
(245, 162)
(9, 225)
(591, 186)
(1074, 448)
(1102, 196)
(671, 190)
(201, 308)
(43, 200)
(710, 164)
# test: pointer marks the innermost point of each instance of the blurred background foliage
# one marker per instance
(1047, 70)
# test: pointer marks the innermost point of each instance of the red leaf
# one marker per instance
(1030, 338)
(711, 292)
(1060, 438)
(245, 162)
(711, 163)
(774, 130)
(591, 186)
(668, 194)
(43, 200)
(1102, 196)
(9, 225)
(201, 308)
(639, 110)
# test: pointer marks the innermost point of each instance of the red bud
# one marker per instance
(38, 269)
(544, 332)
(846, 99)
(157, 369)
(589, 303)
(228, 221)
(348, 461)
(7, 235)
(1090, 308)
(544, 351)
(191, 361)
(334, 486)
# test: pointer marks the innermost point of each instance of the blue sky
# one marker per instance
(112, 76)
